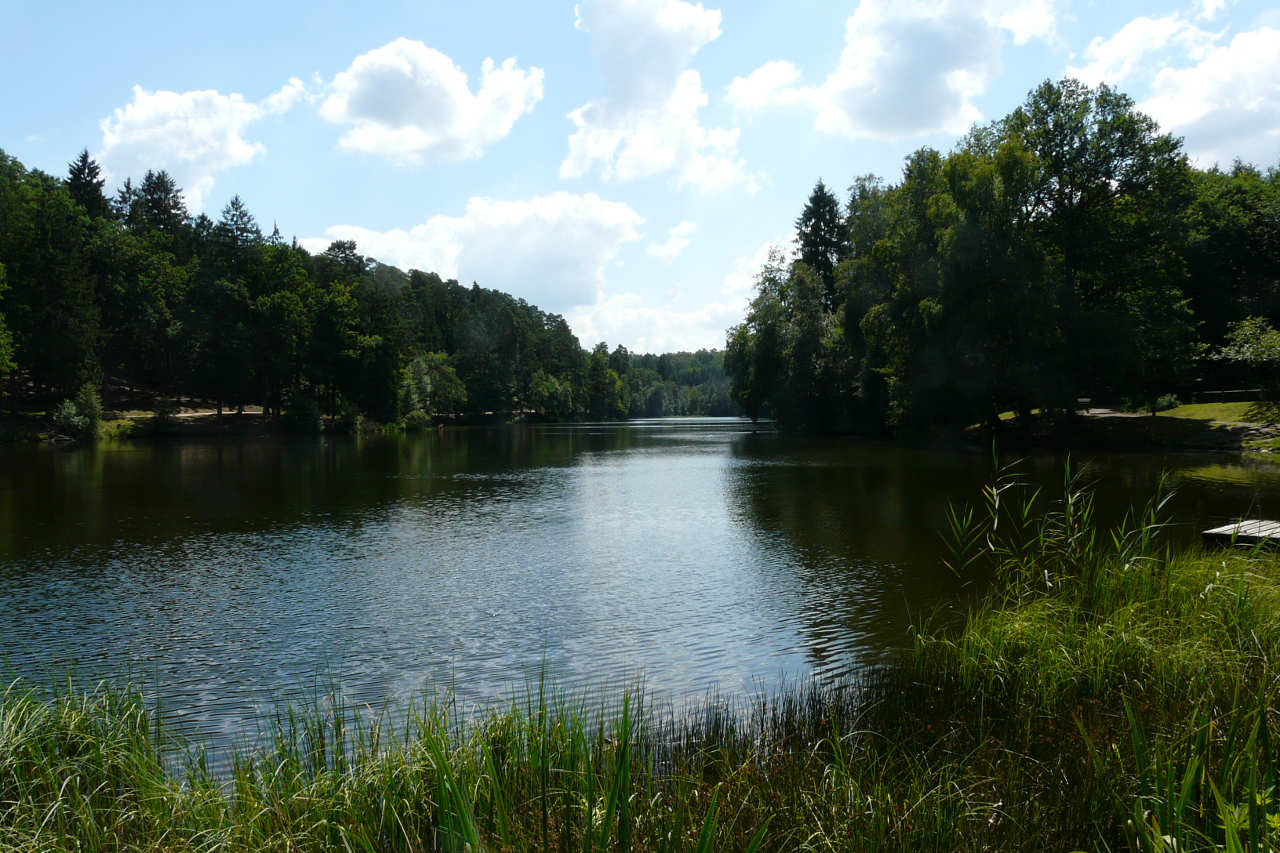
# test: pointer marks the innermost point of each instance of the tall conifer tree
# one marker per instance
(820, 238)
(85, 181)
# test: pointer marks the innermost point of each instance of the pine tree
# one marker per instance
(162, 203)
(237, 227)
(820, 237)
(85, 181)
(127, 205)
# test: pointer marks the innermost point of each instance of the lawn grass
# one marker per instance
(1249, 412)
(1106, 694)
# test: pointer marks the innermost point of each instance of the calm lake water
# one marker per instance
(697, 555)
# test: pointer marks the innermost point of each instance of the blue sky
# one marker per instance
(626, 163)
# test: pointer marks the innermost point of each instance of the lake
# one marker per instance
(694, 556)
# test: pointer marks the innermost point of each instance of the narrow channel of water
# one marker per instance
(696, 555)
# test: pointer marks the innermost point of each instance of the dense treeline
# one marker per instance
(134, 291)
(680, 383)
(1065, 251)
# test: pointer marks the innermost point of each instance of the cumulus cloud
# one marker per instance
(641, 45)
(648, 121)
(625, 318)
(1024, 20)
(553, 250)
(772, 84)
(412, 105)
(1118, 58)
(1226, 104)
(1209, 9)
(907, 68)
(192, 135)
(643, 325)
(740, 281)
(1219, 91)
(677, 239)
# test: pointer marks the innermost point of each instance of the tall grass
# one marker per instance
(1106, 694)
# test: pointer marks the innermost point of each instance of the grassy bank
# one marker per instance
(1106, 695)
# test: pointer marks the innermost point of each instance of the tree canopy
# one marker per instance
(1065, 251)
(137, 292)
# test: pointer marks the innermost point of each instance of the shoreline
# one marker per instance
(1097, 433)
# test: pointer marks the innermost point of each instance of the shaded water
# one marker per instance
(697, 555)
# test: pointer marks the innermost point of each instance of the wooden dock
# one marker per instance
(1250, 531)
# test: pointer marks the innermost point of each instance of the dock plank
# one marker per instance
(1249, 531)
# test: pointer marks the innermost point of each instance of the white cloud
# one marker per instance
(740, 282)
(643, 326)
(677, 239)
(907, 69)
(1220, 92)
(772, 84)
(411, 104)
(192, 135)
(1023, 19)
(1227, 104)
(553, 250)
(1114, 60)
(625, 319)
(288, 95)
(1209, 9)
(642, 45)
(648, 121)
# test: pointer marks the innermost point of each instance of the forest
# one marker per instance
(106, 294)
(1068, 251)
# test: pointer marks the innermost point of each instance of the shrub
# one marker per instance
(89, 405)
(1167, 402)
(79, 417)
(416, 421)
(68, 421)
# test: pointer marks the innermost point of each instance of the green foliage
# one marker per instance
(139, 291)
(49, 307)
(552, 396)
(432, 386)
(1045, 259)
(608, 395)
(68, 421)
(79, 417)
(416, 421)
(85, 183)
(7, 363)
(1254, 344)
(821, 239)
(89, 405)
(679, 383)
(1252, 341)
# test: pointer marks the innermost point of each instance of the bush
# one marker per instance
(89, 405)
(79, 418)
(1167, 402)
(302, 415)
(68, 421)
(416, 421)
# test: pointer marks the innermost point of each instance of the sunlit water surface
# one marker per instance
(693, 556)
